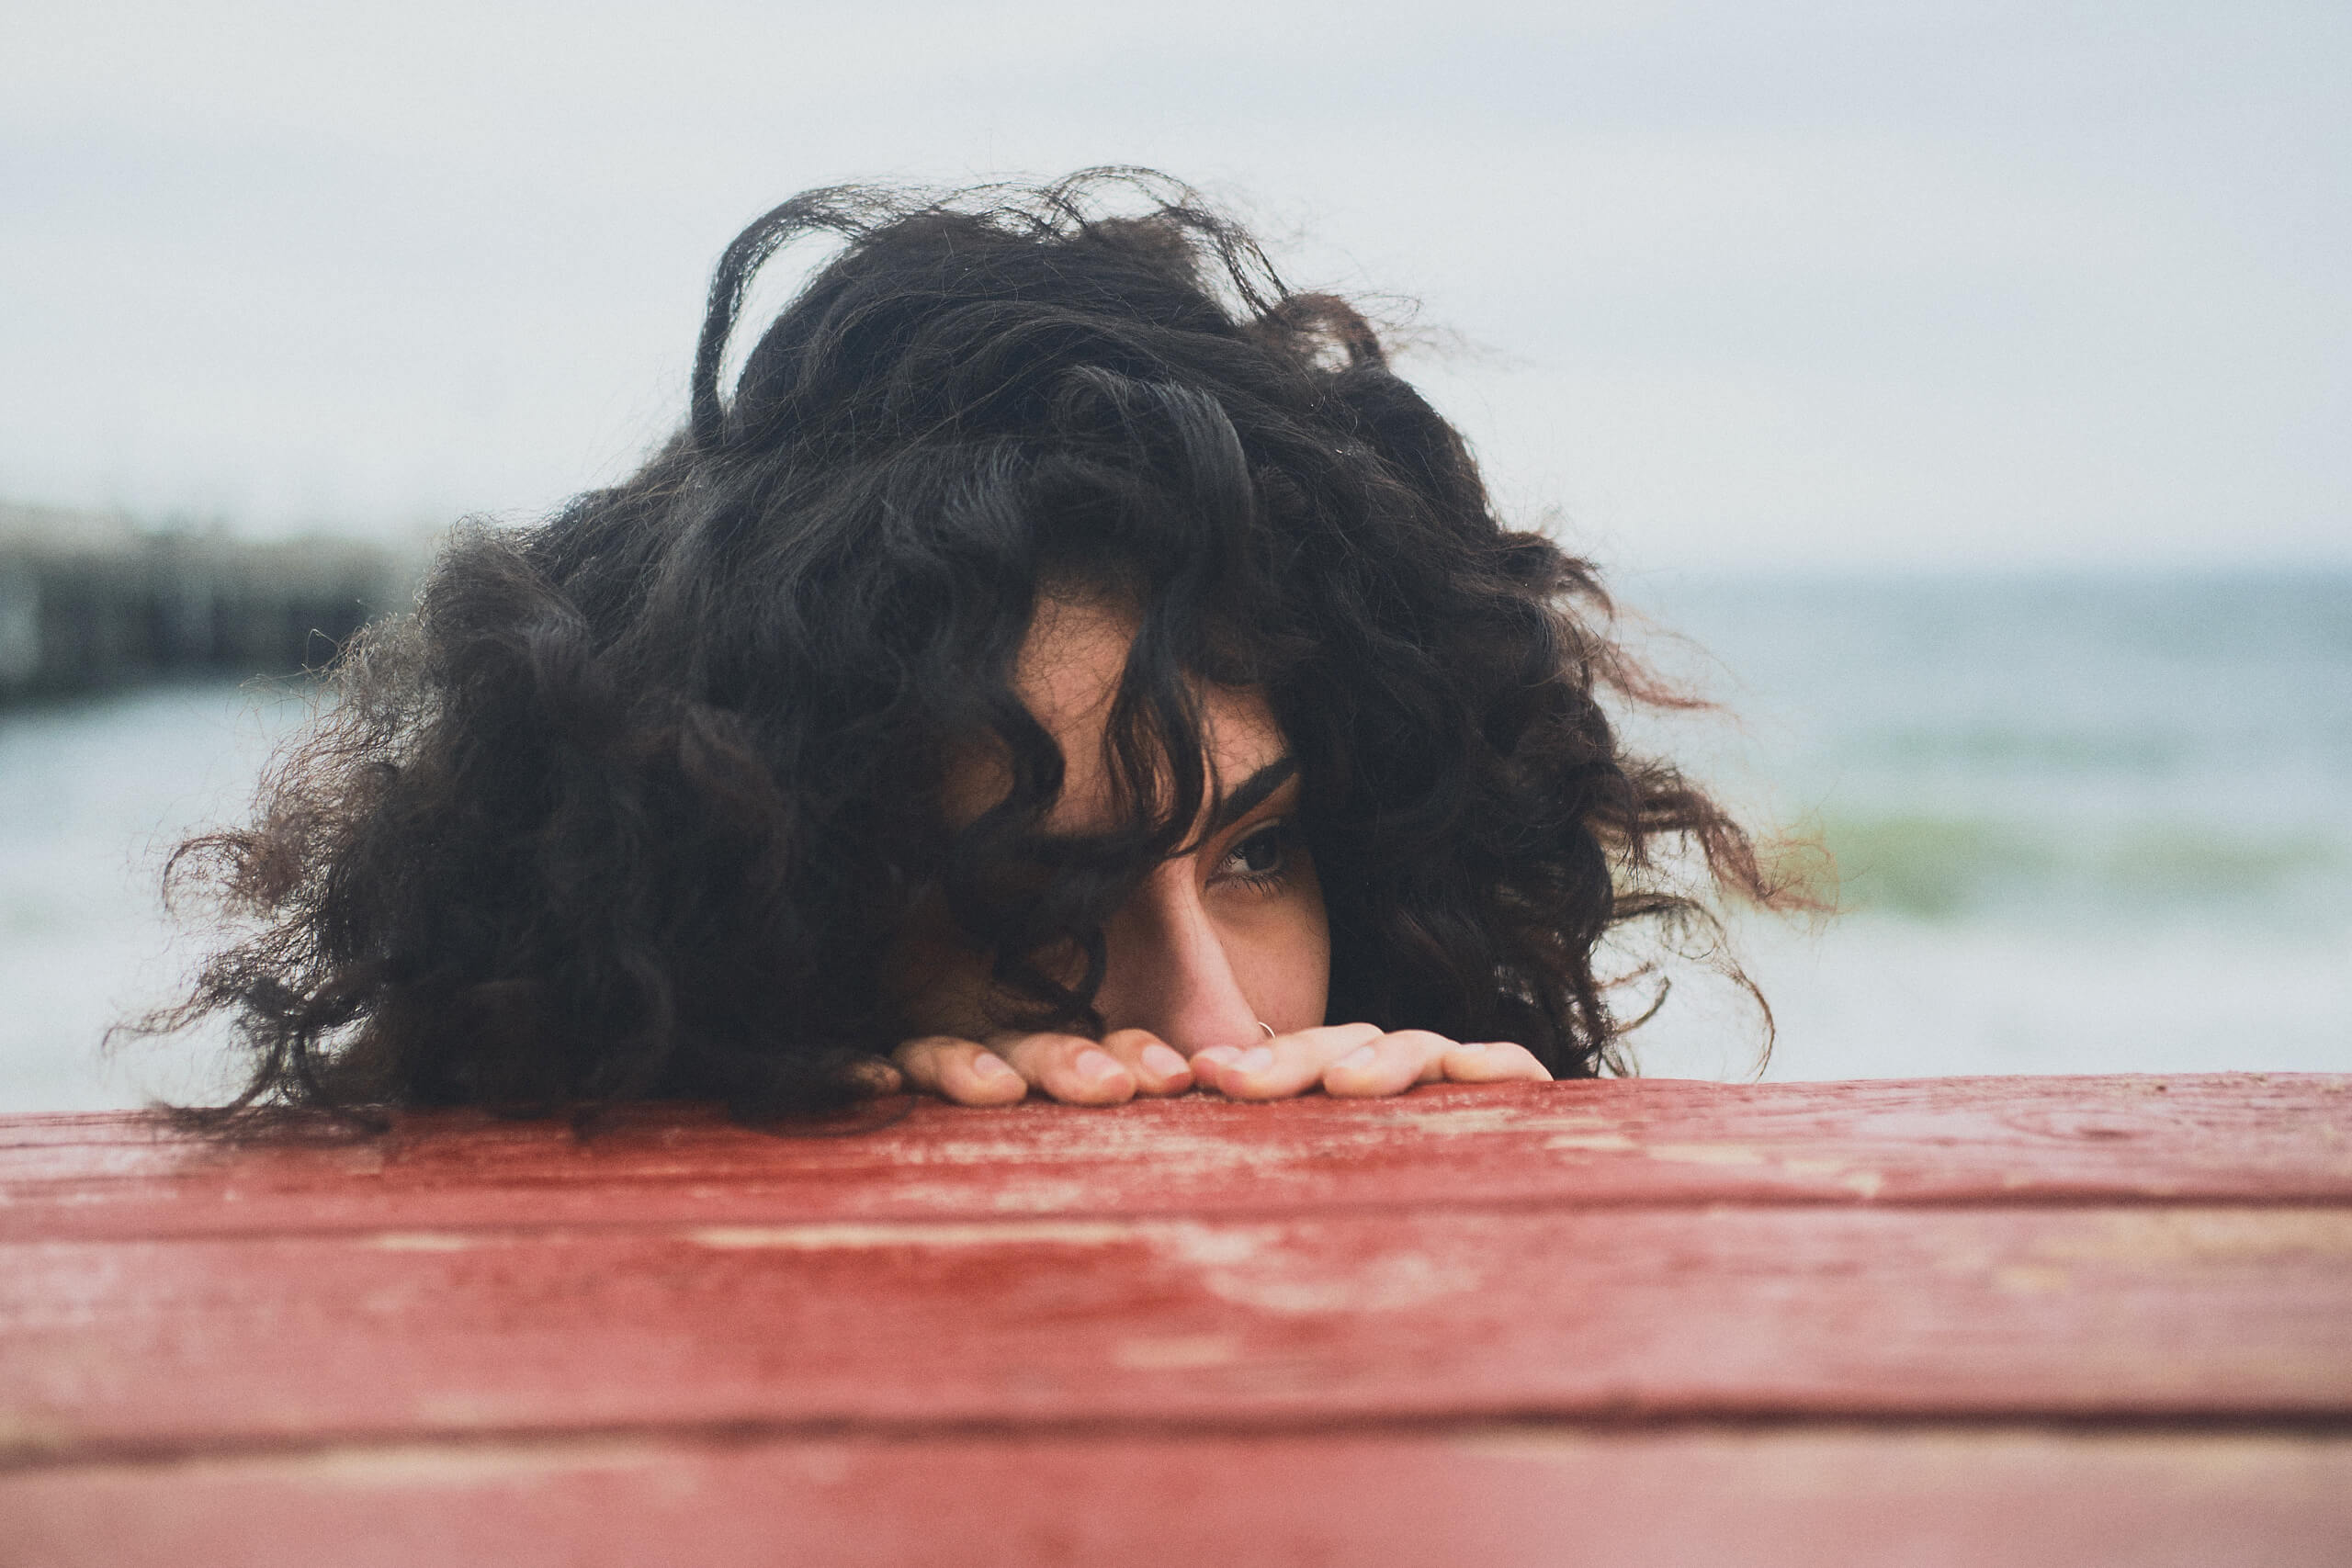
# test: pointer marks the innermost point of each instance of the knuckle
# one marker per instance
(1128, 1044)
(1033, 1054)
(1331, 1037)
(920, 1049)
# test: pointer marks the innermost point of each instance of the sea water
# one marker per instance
(2079, 824)
(94, 795)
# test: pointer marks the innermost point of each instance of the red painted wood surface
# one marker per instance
(1954, 1321)
(1644, 1142)
(1480, 1497)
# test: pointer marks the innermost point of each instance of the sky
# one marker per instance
(1711, 284)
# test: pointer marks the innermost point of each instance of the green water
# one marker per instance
(2123, 750)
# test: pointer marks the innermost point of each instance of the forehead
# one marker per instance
(1067, 675)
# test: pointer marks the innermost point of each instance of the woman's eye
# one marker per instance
(1263, 856)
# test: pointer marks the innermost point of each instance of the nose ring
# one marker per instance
(1267, 1027)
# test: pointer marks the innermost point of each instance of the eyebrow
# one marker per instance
(1252, 793)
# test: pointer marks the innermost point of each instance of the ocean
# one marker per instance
(2080, 823)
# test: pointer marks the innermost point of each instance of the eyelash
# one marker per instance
(1284, 835)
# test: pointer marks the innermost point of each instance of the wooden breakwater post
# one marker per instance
(89, 601)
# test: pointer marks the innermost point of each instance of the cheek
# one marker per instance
(1284, 959)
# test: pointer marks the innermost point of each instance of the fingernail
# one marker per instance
(1478, 1046)
(1360, 1057)
(1162, 1060)
(1096, 1066)
(988, 1064)
(1256, 1059)
(1217, 1055)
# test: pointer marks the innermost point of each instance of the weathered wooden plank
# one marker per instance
(2238, 1312)
(1498, 1497)
(2238, 1137)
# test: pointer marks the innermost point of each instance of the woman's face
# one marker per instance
(1222, 937)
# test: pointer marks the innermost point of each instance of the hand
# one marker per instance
(1068, 1068)
(1355, 1060)
(1358, 1060)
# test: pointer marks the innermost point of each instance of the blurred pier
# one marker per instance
(90, 600)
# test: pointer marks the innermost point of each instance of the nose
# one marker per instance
(1168, 971)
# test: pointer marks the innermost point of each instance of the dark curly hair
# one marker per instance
(635, 804)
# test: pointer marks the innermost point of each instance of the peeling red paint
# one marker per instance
(1919, 1306)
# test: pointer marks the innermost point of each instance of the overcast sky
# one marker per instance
(1744, 284)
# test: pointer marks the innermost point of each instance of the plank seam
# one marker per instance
(2321, 1426)
(1990, 1204)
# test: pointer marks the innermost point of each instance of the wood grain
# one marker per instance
(1956, 1321)
(2236, 1137)
(1424, 1313)
(1498, 1497)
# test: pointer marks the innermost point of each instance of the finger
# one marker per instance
(1070, 1067)
(962, 1070)
(1153, 1063)
(1494, 1060)
(1389, 1064)
(1288, 1064)
(878, 1076)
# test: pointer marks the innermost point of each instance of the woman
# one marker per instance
(1066, 663)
